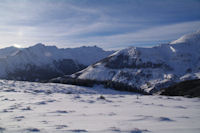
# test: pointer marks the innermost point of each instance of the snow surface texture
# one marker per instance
(12, 59)
(150, 68)
(49, 108)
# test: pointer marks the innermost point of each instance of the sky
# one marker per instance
(110, 24)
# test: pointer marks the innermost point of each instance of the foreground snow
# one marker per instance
(36, 107)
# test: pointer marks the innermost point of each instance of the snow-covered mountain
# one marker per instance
(149, 69)
(45, 62)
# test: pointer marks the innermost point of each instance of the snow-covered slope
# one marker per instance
(149, 69)
(40, 61)
(28, 107)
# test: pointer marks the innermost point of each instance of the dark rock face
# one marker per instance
(190, 88)
(124, 61)
(32, 73)
(44, 73)
(68, 66)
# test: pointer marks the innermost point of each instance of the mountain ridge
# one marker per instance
(48, 60)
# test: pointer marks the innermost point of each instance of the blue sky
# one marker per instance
(110, 24)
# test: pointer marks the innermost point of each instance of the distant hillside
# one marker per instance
(41, 62)
(190, 88)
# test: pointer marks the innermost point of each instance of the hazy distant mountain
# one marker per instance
(147, 69)
(9, 51)
(42, 62)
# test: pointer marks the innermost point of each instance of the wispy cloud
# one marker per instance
(110, 24)
(145, 37)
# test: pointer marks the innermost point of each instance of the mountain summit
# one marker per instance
(193, 38)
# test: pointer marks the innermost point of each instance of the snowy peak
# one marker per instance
(189, 38)
(39, 45)
(42, 46)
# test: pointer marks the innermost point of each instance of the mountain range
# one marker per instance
(40, 62)
(144, 69)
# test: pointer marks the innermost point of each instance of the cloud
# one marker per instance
(110, 24)
(146, 37)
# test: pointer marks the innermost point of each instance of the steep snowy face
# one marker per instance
(40, 60)
(150, 68)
